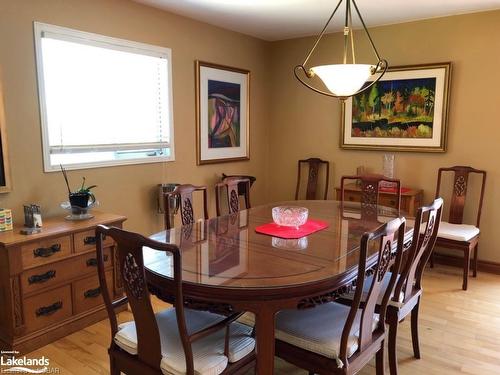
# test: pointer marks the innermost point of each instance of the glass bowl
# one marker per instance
(290, 216)
(290, 244)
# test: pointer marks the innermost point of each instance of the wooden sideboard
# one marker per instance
(49, 286)
(411, 200)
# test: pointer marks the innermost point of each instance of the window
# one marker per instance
(103, 101)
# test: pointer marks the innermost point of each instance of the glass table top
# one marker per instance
(226, 251)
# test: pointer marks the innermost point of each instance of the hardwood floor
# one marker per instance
(459, 333)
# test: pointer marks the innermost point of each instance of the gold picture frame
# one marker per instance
(5, 180)
(222, 113)
(407, 110)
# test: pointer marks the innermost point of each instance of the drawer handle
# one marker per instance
(90, 240)
(92, 293)
(46, 252)
(92, 262)
(49, 310)
(36, 279)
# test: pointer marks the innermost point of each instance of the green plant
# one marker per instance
(84, 189)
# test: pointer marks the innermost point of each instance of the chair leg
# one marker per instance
(113, 370)
(474, 264)
(391, 347)
(414, 330)
(379, 360)
(466, 268)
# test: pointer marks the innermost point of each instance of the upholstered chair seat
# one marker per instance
(457, 232)
(208, 352)
(319, 329)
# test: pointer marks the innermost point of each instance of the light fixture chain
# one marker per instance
(322, 33)
(352, 36)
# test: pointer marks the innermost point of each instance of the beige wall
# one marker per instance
(127, 190)
(307, 124)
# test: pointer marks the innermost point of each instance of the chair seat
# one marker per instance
(383, 286)
(456, 232)
(319, 329)
(208, 352)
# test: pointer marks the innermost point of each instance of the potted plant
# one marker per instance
(81, 198)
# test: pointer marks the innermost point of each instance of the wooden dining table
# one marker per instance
(229, 267)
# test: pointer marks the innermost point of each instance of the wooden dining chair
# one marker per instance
(370, 188)
(183, 195)
(229, 187)
(408, 291)
(242, 187)
(332, 338)
(454, 234)
(176, 340)
(314, 165)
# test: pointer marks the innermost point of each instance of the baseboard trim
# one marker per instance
(482, 265)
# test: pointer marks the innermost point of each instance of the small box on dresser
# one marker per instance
(48, 281)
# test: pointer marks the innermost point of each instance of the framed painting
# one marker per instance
(222, 113)
(407, 110)
(5, 185)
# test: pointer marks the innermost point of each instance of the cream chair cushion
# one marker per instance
(319, 329)
(383, 287)
(457, 232)
(208, 352)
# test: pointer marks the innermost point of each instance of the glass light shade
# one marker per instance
(343, 79)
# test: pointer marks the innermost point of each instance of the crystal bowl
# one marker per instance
(290, 216)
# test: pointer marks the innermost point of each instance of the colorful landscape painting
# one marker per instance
(223, 114)
(399, 108)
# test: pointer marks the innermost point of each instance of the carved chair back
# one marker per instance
(314, 165)
(242, 188)
(459, 191)
(230, 187)
(410, 278)
(183, 195)
(131, 272)
(370, 188)
(385, 236)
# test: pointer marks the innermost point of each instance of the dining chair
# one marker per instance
(454, 234)
(332, 338)
(314, 165)
(183, 195)
(370, 185)
(176, 340)
(408, 290)
(241, 187)
(229, 187)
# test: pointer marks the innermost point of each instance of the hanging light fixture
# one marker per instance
(343, 80)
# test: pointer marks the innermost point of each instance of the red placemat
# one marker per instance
(275, 230)
(393, 190)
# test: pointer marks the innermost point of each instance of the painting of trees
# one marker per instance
(402, 108)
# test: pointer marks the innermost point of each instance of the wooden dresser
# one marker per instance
(411, 199)
(48, 281)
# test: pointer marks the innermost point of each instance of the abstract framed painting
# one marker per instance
(222, 113)
(407, 110)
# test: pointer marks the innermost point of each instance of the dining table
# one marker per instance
(228, 267)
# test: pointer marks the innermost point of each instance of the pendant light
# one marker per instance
(343, 80)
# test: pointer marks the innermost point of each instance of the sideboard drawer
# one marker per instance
(47, 308)
(45, 251)
(86, 241)
(88, 262)
(388, 201)
(351, 197)
(88, 294)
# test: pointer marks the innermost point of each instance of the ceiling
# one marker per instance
(285, 19)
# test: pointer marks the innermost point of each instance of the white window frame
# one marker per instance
(83, 37)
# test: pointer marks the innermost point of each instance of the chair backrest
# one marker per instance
(389, 254)
(131, 272)
(184, 203)
(370, 189)
(312, 177)
(241, 187)
(230, 187)
(459, 192)
(422, 244)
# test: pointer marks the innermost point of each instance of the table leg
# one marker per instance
(264, 322)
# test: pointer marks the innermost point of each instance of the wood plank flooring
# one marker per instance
(459, 333)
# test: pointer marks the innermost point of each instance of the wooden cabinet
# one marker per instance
(49, 286)
(411, 199)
